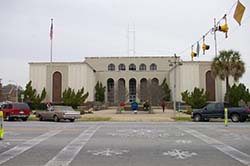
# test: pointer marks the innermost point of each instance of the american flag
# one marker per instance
(51, 30)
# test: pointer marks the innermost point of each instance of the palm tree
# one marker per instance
(228, 63)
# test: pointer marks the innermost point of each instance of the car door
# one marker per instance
(209, 111)
(7, 109)
(46, 115)
(219, 110)
(49, 115)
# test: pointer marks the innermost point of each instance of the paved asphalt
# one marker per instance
(125, 144)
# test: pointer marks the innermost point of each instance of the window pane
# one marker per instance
(153, 67)
(111, 67)
(21, 106)
(132, 67)
(142, 67)
(122, 67)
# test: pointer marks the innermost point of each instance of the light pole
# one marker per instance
(176, 62)
(16, 89)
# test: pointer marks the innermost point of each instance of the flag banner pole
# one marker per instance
(51, 40)
(51, 44)
(51, 52)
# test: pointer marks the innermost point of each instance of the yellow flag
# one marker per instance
(239, 11)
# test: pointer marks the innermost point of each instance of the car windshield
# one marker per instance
(21, 106)
(63, 108)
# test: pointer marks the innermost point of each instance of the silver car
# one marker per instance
(59, 113)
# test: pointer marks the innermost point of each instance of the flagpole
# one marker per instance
(215, 40)
(51, 44)
(51, 52)
(51, 40)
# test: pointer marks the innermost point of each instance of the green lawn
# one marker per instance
(177, 118)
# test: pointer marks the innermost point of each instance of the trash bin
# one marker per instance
(134, 106)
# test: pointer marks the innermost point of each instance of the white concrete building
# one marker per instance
(126, 74)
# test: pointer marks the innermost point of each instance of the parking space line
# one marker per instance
(69, 152)
(17, 150)
(229, 150)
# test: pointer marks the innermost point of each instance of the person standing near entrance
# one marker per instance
(163, 105)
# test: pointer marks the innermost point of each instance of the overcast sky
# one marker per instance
(84, 28)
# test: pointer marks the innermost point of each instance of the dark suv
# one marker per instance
(13, 111)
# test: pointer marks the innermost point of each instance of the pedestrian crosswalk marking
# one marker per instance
(229, 150)
(68, 153)
(19, 149)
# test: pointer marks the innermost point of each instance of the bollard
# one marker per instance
(1, 125)
(226, 116)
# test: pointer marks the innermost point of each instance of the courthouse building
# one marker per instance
(127, 74)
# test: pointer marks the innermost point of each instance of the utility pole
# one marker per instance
(175, 63)
(215, 40)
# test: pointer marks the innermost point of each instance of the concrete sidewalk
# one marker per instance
(141, 116)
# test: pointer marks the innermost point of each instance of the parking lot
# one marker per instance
(120, 144)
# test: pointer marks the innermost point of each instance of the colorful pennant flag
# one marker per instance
(239, 11)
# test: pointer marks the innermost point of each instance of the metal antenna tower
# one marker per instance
(131, 40)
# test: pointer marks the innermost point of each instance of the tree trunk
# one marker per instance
(227, 89)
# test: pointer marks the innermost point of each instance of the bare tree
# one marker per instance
(151, 92)
(121, 93)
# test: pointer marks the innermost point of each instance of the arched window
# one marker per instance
(155, 81)
(121, 93)
(132, 89)
(155, 91)
(111, 67)
(132, 67)
(144, 90)
(153, 66)
(122, 67)
(110, 85)
(142, 67)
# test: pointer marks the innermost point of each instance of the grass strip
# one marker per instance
(95, 119)
(181, 118)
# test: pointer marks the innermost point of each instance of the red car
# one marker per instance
(13, 111)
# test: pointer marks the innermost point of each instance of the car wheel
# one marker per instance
(56, 119)
(197, 117)
(24, 119)
(235, 117)
(8, 117)
(72, 120)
